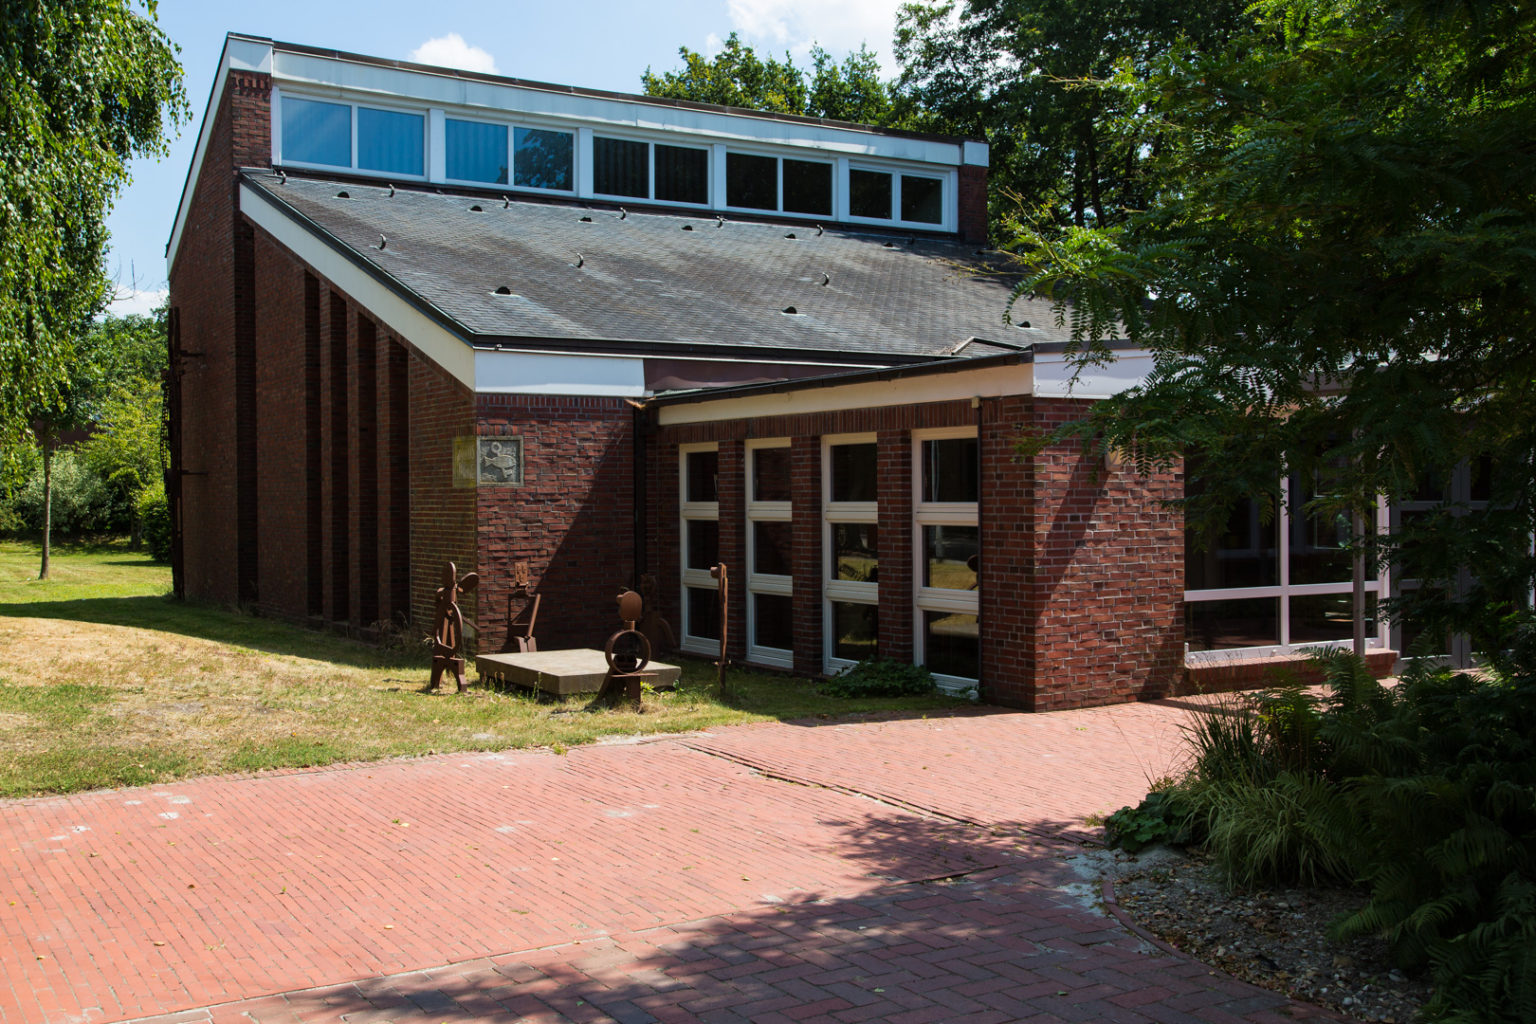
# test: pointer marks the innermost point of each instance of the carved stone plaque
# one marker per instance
(500, 460)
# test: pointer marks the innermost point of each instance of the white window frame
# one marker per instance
(832, 513)
(651, 143)
(352, 107)
(940, 599)
(1284, 590)
(948, 202)
(764, 583)
(698, 579)
(509, 184)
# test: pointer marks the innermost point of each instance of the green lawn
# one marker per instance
(106, 681)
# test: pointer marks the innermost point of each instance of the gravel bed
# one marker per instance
(1275, 938)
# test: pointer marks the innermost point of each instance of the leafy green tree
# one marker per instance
(1335, 275)
(113, 386)
(738, 77)
(84, 86)
(1025, 75)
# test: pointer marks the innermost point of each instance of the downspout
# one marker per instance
(641, 428)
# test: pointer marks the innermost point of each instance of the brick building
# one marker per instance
(421, 314)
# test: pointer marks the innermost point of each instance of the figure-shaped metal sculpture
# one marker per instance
(628, 653)
(520, 624)
(448, 633)
(656, 629)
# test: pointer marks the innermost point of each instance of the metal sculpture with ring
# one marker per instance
(627, 652)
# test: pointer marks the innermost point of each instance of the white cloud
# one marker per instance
(451, 51)
(135, 300)
(838, 28)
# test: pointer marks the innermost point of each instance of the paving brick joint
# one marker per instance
(903, 869)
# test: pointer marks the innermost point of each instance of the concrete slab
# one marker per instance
(561, 672)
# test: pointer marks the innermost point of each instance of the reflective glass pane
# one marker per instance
(1244, 554)
(704, 613)
(855, 474)
(774, 621)
(922, 199)
(855, 631)
(1217, 625)
(1319, 540)
(476, 152)
(542, 159)
(317, 133)
(682, 175)
(702, 469)
(951, 556)
(770, 474)
(751, 181)
(1318, 618)
(807, 187)
(703, 543)
(388, 140)
(950, 471)
(771, 547)
(621, 168)
(869, 194)
(855, 552)
(952, 646)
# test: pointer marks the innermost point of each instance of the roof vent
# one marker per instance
(503, 290)
(789, 234)
(1023, 325)
(343, 195)
(687, 227)
(477, 208)
(791, 311)
(586, 220)
(890, 245)
(826, 279)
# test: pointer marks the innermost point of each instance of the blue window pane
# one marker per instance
(542, 159)
(390, 141)
(477, 152)
(317, 133)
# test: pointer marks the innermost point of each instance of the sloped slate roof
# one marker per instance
(647, 277)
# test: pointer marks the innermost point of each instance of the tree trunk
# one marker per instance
(47, 505)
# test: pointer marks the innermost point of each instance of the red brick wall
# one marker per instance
(1108, 582)
(571, 520)
(205, 290)
(973, 204)
(442, 515)
(1082, 570)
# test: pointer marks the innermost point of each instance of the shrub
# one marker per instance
(1163, 817)
(83, 500)
(880, 677)
(154, 513)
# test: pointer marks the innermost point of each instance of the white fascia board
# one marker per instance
(993, 382)
(1054, 376)
(240, 54)
(383, 303)
(350, 79)
(539, 373)
(977, 154)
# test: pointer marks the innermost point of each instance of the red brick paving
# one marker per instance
(642, 882)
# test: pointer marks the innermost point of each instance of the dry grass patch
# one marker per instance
(106, 682)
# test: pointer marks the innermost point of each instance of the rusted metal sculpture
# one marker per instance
(520, 624)
(628, 653)
(448, 633)
(656, 629)
(718, 572)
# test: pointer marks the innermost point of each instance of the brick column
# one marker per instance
(806, 555)
(365, 378)
(1006, 579)
(894, 459)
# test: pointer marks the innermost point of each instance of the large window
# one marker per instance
(770, 553)
(623, 167)
(323, 133)
(946, 537)
(700, 503)
(885, 195)
(1275, 580)
(754, 182)
(850, 513)
(538, 158)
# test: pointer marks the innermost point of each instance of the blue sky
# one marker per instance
(600, 44)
